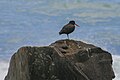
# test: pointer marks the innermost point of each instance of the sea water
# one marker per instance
(38, 22)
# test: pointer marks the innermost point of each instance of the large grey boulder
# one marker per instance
(62, 60)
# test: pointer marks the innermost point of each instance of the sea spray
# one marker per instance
(116, 66)
(3, 69)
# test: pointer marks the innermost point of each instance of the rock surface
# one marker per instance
(62, 60)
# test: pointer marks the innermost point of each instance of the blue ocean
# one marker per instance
(38, 22)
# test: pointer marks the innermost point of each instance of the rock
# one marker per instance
(62, 60)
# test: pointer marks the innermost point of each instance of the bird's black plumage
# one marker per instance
(68, 28)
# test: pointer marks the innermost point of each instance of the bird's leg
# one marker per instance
(68, 36)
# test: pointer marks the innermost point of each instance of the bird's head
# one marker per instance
(73, 23)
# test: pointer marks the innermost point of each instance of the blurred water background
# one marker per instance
(37, 23)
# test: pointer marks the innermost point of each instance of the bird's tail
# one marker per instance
(60, 33)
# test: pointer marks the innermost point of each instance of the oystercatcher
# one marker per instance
(68, 28)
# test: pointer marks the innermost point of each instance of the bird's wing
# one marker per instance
(66, 28)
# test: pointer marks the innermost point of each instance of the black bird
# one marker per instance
(68, 28)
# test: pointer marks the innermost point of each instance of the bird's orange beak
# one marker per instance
(77, 25)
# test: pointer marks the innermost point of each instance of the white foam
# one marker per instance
(116, 66)
(3, 69)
